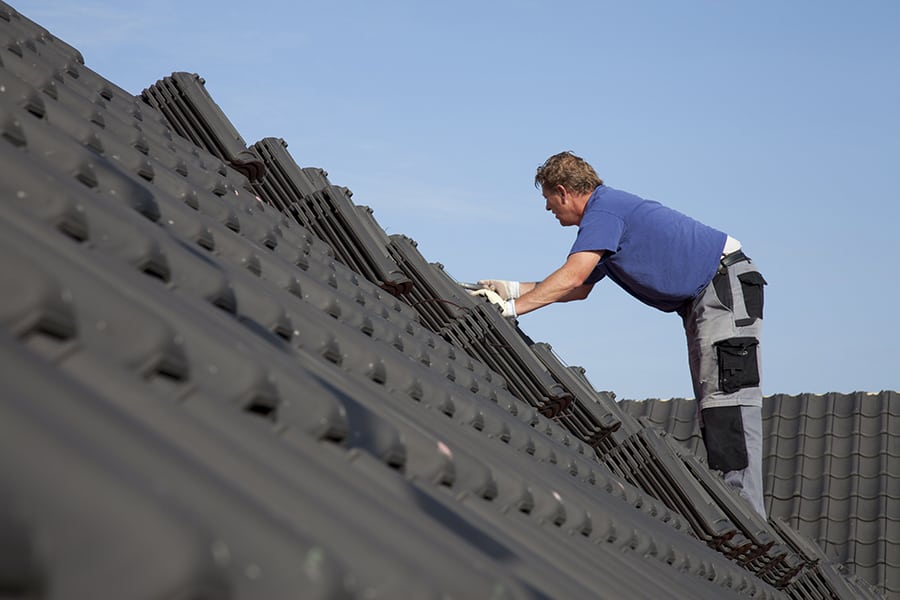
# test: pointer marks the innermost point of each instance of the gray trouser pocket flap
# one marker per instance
(738, 366)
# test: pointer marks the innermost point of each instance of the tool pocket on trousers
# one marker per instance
(752, 288)
(738, 366)
(723, 434)
(722, 285)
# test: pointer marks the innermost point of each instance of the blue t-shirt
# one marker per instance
(655, 253)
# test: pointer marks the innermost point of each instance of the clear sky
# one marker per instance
(777, 122)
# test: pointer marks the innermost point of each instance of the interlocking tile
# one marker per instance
(308, 197)
(183, 99)
(830, 471)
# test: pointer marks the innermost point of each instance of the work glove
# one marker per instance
(508, 290)
(507, 307)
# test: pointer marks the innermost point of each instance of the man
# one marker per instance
(675, 264)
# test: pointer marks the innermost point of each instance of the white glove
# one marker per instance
(508, 290)
(507, 307)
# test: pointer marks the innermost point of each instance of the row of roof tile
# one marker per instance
(830, 470)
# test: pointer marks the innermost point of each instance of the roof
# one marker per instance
(222, 378)
(830, 469)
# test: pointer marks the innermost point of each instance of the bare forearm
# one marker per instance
(558, 287)
(526, 286)
(579, 293)
(563, 285)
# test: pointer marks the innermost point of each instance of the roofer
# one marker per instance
(676, 264)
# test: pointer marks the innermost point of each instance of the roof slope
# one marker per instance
(830, 464)
(222, 379)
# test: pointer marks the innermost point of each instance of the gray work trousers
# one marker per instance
(723, 325)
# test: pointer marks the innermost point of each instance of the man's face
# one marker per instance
(559, 202)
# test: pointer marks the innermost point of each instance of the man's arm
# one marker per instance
(563, 285)
(580, 293)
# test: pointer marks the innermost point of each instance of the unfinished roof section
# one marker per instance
(831, 470)
(212, 348)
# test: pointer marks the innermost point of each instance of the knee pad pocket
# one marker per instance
(723, 434)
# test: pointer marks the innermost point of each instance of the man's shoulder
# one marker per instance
(612, 200)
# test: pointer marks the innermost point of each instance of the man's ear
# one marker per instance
(563, 192)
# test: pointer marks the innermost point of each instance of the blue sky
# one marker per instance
(777, 122)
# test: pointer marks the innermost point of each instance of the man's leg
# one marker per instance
(723, 327)
(748, 481)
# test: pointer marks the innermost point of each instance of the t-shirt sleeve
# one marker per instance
(598, 231)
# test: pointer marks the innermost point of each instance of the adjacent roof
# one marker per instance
(831, 471)
(223, 379)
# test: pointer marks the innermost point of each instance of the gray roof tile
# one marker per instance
(830, 471)
(279, 396)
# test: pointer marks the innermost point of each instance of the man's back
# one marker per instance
(657, 254)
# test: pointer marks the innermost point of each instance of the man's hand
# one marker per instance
(508, 290)
(507, 307)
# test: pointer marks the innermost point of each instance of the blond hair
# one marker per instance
(570, 171)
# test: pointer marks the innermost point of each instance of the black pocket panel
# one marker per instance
(722, 285)
(752, 288)
(738, 366)
(723, 434)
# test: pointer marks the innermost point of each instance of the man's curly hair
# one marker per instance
(570, 171)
